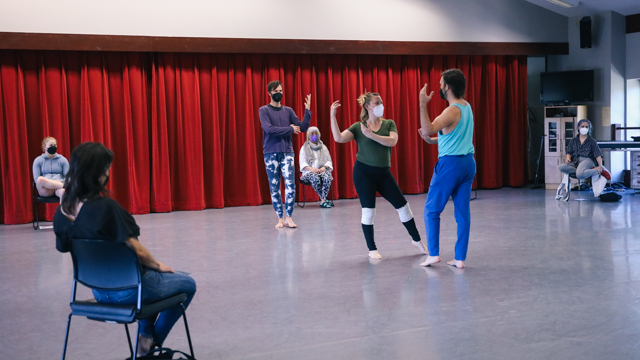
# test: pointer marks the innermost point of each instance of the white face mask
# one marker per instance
(378, 111)
(584, 131)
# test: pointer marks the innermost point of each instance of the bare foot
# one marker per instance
(457, 263)
(375, 255)
(421, 247)
(288, 222)
(280, 224)
(431, 260)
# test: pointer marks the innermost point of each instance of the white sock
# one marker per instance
(421, 247)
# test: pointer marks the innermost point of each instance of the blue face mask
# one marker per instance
(313, 137)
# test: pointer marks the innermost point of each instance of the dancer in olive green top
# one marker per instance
(371, 173)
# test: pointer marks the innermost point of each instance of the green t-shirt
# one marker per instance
(371, 152)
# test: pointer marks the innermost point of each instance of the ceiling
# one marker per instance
(588, 7)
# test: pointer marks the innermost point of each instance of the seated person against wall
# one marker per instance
(583, 154)
(87, 212)
(316, 165)
(49, 169)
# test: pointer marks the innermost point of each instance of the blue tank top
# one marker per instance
(460, 140)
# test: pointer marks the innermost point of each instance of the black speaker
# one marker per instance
(585, 32)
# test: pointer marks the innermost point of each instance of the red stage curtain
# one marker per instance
(185, 131)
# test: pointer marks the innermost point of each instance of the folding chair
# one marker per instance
(109, 265)
(36, 198)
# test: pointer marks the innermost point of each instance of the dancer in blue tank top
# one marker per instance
(456, 167)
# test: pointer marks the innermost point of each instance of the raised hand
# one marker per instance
(307, 102)
(334, 107)
(424, 98)
(296, 129)
(365, 131)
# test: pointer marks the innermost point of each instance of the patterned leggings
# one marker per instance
(276, 164)
(321, 183)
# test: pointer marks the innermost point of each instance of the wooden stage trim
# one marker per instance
(73, 42)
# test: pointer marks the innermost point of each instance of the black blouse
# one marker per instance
(101, 218)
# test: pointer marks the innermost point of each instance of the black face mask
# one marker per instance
(52, 149)
(443, 94)
(106, 181)
(277, 97)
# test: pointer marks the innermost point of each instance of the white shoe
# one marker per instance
(561, 191)
(375, 255)
(598, 185)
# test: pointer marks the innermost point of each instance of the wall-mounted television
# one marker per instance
(566, 87)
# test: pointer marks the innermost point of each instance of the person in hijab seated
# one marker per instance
(583, 154)
(316, 165)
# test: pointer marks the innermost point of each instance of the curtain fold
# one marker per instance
(185, 130)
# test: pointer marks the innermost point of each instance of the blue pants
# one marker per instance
(452, 176)
(277, 164)
(155, 286)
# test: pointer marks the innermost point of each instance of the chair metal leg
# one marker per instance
(135, 347)
(304, 200)
(35, 215)
(126, 327)
(331, 196)
(186, 326)
(66, 338)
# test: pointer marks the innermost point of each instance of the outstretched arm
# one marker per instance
(339, 137)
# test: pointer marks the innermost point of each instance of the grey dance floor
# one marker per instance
(544, 280)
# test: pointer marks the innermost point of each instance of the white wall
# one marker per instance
(606, 57)
(397, 20)
(633, 56)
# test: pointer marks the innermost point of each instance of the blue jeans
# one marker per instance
(277, 164)
(452, 177)
(155, 286)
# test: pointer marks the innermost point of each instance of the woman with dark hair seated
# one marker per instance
(86, 212)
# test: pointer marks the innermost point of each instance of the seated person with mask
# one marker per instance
(316, 165)
(583, 154)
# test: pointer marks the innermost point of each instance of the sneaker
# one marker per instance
(598, 185)
(561, 191)
(605, 173)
